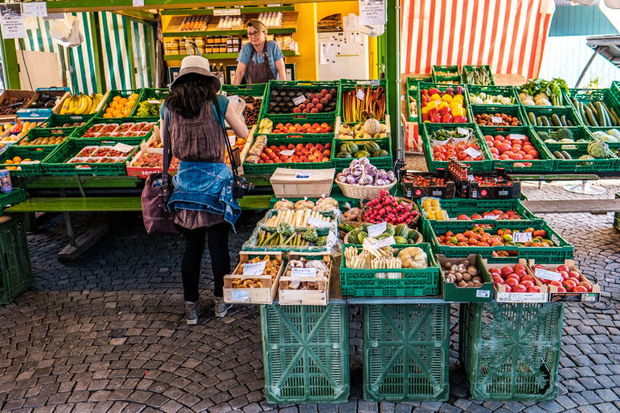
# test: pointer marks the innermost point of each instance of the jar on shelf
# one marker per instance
(174, 46)
(210, 40)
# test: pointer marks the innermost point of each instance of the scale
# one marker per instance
(585, 188)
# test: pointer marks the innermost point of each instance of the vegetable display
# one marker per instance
(362, 172)
(443, 107)
(285, 235)
(597, 113)
(322, 205)
(478, 237)
(477, 75)
(489, 99)
(361, 103)
(322, 271)
(567, 279)
(402, 233)
(432, 209)
(611, 135)
(387, 208)
(515, 279)
(461, 151)
(363, 150)
(553, 120)
(370, 129)
(512, 147)
(272, 267)
(298, 219)
(462, 274)
(560, 135)
(542, 92)
(497, 119)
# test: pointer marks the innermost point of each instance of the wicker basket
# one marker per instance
(362, 192)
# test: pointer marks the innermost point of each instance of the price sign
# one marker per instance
(569, 147)
(288, 152)
(138, 3)
(547, 275)
(463, 131)
(491, 217)
(254, 268)
(37, 9)
(522, 237)
(154, 101)
(121, 147)
(303, 272)
(497, 119)
(299, 100)
(318, 223)
(227, 12)
(375, 230)
(240, 295)
(517, 136)
(384, 242)
(472, 152)
(360, 94)
(470, 178)
(303, 175)
(483, 294)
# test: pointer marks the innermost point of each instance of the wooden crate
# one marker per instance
(27, 94)
(305, 297)
(264, 295)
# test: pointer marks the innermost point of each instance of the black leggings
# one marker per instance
(192, 258)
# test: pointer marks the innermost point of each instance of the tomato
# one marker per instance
(534, 289)
(527, 277)
(580, 289)
(574, 274)
(561, 290)
(527, 284)
(585, 285)
(562, 268)
(498, 280)
(564, 275)
(507, 270)
(569, 285)
(521, 273)
(512, 282)
(519, 288)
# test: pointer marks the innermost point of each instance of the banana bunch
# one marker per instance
(265, 126)
(81, 104)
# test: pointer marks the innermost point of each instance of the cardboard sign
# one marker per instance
(254, 268)
(122, 147)
(472, 152)
(303, 272)
(303, 175)
(522, 237)
(547, 275)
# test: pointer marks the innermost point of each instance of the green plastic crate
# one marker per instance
(475, 166)
(305, 353)
(297, 84)
(79, 132)
(269, 168)
(303, 119)
(442, 88)
(384, 162)
(250, 244)
(547, 111)
(57, 122)
(578, 132)
(457, 206)
(511, 352)
(150, 94)
(585, 165)
(414, 282)
(544, 164)
(612, 145)
(348, 84)
(469, 68)
(406, 352)
(512, 110)
(257, 90)
(412, 93)
(16, 271)
(14, 197)
(336, 194)
(124, 93)
(580, 97)
(446, 72)
(20, 149)
(25, 169)
(505, 91)
(557, 255)
(55, 162)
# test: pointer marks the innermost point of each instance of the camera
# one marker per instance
(241, 187)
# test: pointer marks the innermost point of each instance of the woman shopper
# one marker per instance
(202, 199)
(259, 60)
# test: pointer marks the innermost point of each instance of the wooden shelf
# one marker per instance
(289, 26)
(216, 56)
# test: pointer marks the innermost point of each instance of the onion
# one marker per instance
(366, 180)
(357, 171)
(346, 171)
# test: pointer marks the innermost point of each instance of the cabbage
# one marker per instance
(599, 150)
(615, 133)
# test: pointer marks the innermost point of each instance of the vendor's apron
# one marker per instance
(258, 72)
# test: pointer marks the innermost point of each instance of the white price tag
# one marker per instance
(122, 147)
(491, 217)
(517, 136)
(240, 295)
(254, 268)
(138, 3)
(37, 9)
(360, 94)
(463, 131)
(483, 294)
(384, 242)
(375, 230)
(299, 100)
(497, 119)
(288, 152)
(154, 101)
(474, 153)
(470, 178)
(318, 223)
(522, 237)
(303, 272)
(569, 147)
(227, 12)
(303, 175)
(547, 275)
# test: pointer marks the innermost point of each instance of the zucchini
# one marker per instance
(600, 110)
(612, 111)
(556, 120)
(532, 118)
(612, 118)
(578, 109)
(563, 120)
(545, 121)
(591, 119)
(566, 155)
(558, 154)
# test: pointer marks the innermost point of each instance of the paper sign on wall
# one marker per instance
(37, 9)
(227, 12)
(138, 3)
(372, 12)
(11, 21)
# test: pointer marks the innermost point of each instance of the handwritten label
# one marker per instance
(37, 9)
(288, 152)
(240, 295)
(569, 147)
(522, 237)
(303, 272)
(375, 230)
(517, 136)
(491, 217)
(227, 12)
(437, 193)
(384, 242)
(360, 94)
(303, 175)
(154, 101)
(254, 268)
(483, 294)
(462, 131)
(122, 147)
(470, 178)
(138, 3)
(11, 21)
(472, 152)
(318, 223)
(547, 275)
(497, 119)
(372, 12)
(299, 100)
(375, 82)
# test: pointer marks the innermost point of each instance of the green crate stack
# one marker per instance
(25, 169)
(79, 132)
(16, 196)
(446, 73)
(617, 215)
(297, 84)
(55, 162)
(406, 352)
(566, 116)
(483, 80)
(20, 148)
(544, 164)
(305, 353)
(123, 93)
(302, 119)
(615, 89)
(16, 271)
(511, 352)
(348, 85)
(587, 104)
(458, 206)
(578, 133)
(412, 93)
(585, 165)
(442, 88)
(512, 110)
(57, 122)
(504, 91)
(414, 282)
(475, 166)
(382, 162)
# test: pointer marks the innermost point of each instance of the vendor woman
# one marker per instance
(259, 60)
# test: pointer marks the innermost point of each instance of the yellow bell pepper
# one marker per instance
(458, 111)
(435, 97)
(425, 110)
(431, 104)
(442, 104)
(447, 98)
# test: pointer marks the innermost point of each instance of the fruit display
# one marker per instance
(596, 113)
(301, 218)
(116, 130)
(300, 153)
(540, 92)
(610, 136)
(361, 172)
(461, 273)
(512, 147)
(295, 128)
(14, 132)
(120, 106)
(255, 152)
(251, 110)
(286, 236)
(327, 204)
(47, 140)
(387, 208)
(463, 151)
(10, 105)
(478, 75)
(360, 104)
(489, 99)
(80, 104)
(370, 129)
(44, 100)
(565, 279)
(431, 208)
(560, 135)
(272, 268)
(322, 272)
(301, 100)
(443, 107)
(148, 108)
(10, 164)
(363, 150)
(76, 124)
(100, 154)
(497, 119)
(553, 120)
(515, 279)
(478, 237)
(402, 233)
(155, 160)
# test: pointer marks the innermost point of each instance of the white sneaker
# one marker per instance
(221, 308)
(192, 311)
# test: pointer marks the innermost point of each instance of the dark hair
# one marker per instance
(188, 94)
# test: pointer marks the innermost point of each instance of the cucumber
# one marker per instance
(532, 118)
(612, 111)
(612, 118)
(558, 154)
(545, 121)
(556, 120)
(591, 119)
(566, 155)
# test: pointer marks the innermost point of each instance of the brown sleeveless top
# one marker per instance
(197, 139)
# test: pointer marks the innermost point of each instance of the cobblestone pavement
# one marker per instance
(106, 332)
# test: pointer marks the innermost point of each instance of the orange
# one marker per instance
(116, 98)
(116, 113)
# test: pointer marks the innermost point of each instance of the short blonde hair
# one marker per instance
(258, 25)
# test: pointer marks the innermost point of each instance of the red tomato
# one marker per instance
(527, 284)
(562, 268)
(585, 285)
(534, 289)
(527, 278)
(574, 274)
(569, 285)
(512, 282)
(519, 288)
(507, 270)
(556, 283)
